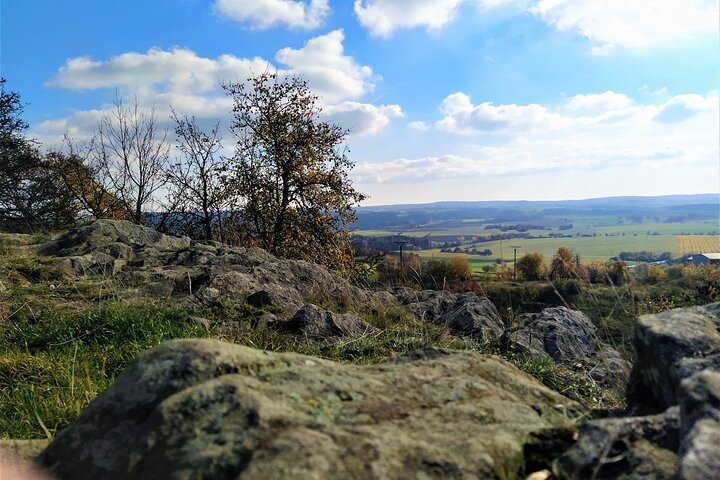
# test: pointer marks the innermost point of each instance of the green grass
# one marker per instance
(599, 247)
(53, 363)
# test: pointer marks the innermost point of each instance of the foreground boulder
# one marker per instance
(677, 374)
(207, 409)
(465, 314)
(670, 347)
(569, 338)
(630, 447)
(700, 425)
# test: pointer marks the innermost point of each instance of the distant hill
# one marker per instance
(661, 208)
(637, 201)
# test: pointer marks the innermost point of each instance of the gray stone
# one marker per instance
(161, 265)
(669, 347)
(113, 237)
(569, 338)
(266, 320)
(206, 409)
(623, 448)
(315, 323)
(465, 314)
(700, 425)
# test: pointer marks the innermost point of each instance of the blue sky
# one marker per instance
(446, 99)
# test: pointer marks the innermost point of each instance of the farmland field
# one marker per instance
(689, 244)
(587, 247)
(594, 229)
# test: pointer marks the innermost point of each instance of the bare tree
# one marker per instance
(133, 153)
(195, 178)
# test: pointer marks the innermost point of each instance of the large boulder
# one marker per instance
(670, 347)
(206, 409)
(569, 338)
(676, 370)
(465, 314)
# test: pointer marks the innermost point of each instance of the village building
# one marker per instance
(705, 258)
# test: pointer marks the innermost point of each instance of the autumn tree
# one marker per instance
(132, 151)
(619, 272)
(531, 266)
(291, 172)
(31, 197)
(563, 264)
(82, 173)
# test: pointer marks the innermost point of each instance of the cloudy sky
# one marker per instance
(445, 99)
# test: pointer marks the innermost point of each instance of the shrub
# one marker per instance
(563, 264)
(531, 266)
(619, 272)
(597, 271)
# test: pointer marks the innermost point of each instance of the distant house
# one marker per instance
(705, 258)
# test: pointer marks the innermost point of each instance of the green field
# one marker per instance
(589, 248)
(584, 225)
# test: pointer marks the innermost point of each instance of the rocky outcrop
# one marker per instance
(464, 313)
(569, 338)
(314, 323)
(106, 246)
(164, 266)
(670, 347)
(207, 409)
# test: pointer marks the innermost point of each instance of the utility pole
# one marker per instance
(401, 243)
(515, 249)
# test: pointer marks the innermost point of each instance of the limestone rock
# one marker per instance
(671, 346)
(206, 409)
(162, 266)
(464, 313)
(315, 323)
(113, 237)
(569, 338)
(631, 447)
(700, 425)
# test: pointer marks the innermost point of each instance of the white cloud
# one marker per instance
(464, 118)
(192, 84)
(683, 107)
(491, 162)
(598, 102)
(322, 61)
(607, 24)
(419, 126)
(619, 135)
(263, 14)
(175, 70)
(361, 118)
(383, 17)
(629, 24)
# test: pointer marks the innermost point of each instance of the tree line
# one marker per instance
(285, 186)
